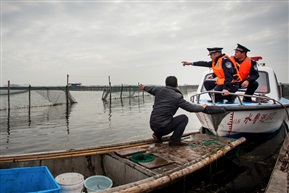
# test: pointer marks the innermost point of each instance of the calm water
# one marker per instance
(89, 122)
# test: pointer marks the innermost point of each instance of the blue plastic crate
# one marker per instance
(28, 179)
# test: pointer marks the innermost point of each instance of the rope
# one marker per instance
(209, 142)
(237, 152)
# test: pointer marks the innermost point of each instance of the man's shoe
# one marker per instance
(177, 143)
(157, 139)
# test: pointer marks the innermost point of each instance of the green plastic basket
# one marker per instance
(142, 157)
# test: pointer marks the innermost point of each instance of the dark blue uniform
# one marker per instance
(229, 72)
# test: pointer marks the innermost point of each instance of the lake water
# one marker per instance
(89, 122)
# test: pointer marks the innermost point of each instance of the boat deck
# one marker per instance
(170, 163)
(200, 146)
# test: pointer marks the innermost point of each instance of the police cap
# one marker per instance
(242, 48)
(213, 50)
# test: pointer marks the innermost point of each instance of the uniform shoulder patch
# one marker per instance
(228, 64)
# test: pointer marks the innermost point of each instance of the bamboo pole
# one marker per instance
(80, 152)
(66, 92)
(69, 154)
(166, 178)
(109, 89)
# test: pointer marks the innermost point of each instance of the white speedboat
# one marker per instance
(245, 118)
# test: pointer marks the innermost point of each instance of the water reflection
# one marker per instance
(36, 116)
(29, 115)
(124, 104)
(8, 126)
(107, 105)
(255, 162)
(69, 108)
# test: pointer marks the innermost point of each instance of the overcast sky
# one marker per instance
(134, 41)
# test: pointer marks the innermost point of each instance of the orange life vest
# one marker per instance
(243, 68)
(219, 72)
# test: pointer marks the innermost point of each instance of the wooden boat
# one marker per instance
(278, 182)
(114, 161)
(245, 118)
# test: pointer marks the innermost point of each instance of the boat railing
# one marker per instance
(259, 98)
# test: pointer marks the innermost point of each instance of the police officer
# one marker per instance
(248, 71)
(224, 70)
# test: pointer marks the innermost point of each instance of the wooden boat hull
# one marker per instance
(170, 164)
(278, 182)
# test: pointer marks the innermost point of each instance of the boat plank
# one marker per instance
(157, 162)
(127, 152)
(279, 180)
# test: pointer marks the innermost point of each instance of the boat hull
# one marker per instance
(244, 121)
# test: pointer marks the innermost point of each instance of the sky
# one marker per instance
(130, 42)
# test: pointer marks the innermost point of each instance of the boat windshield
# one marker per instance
(263, 81)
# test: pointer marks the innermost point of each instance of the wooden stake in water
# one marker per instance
(8, 94)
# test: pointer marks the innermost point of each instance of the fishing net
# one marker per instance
(26, 97)
(122, 92)
(56, 96)
(128, 91)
